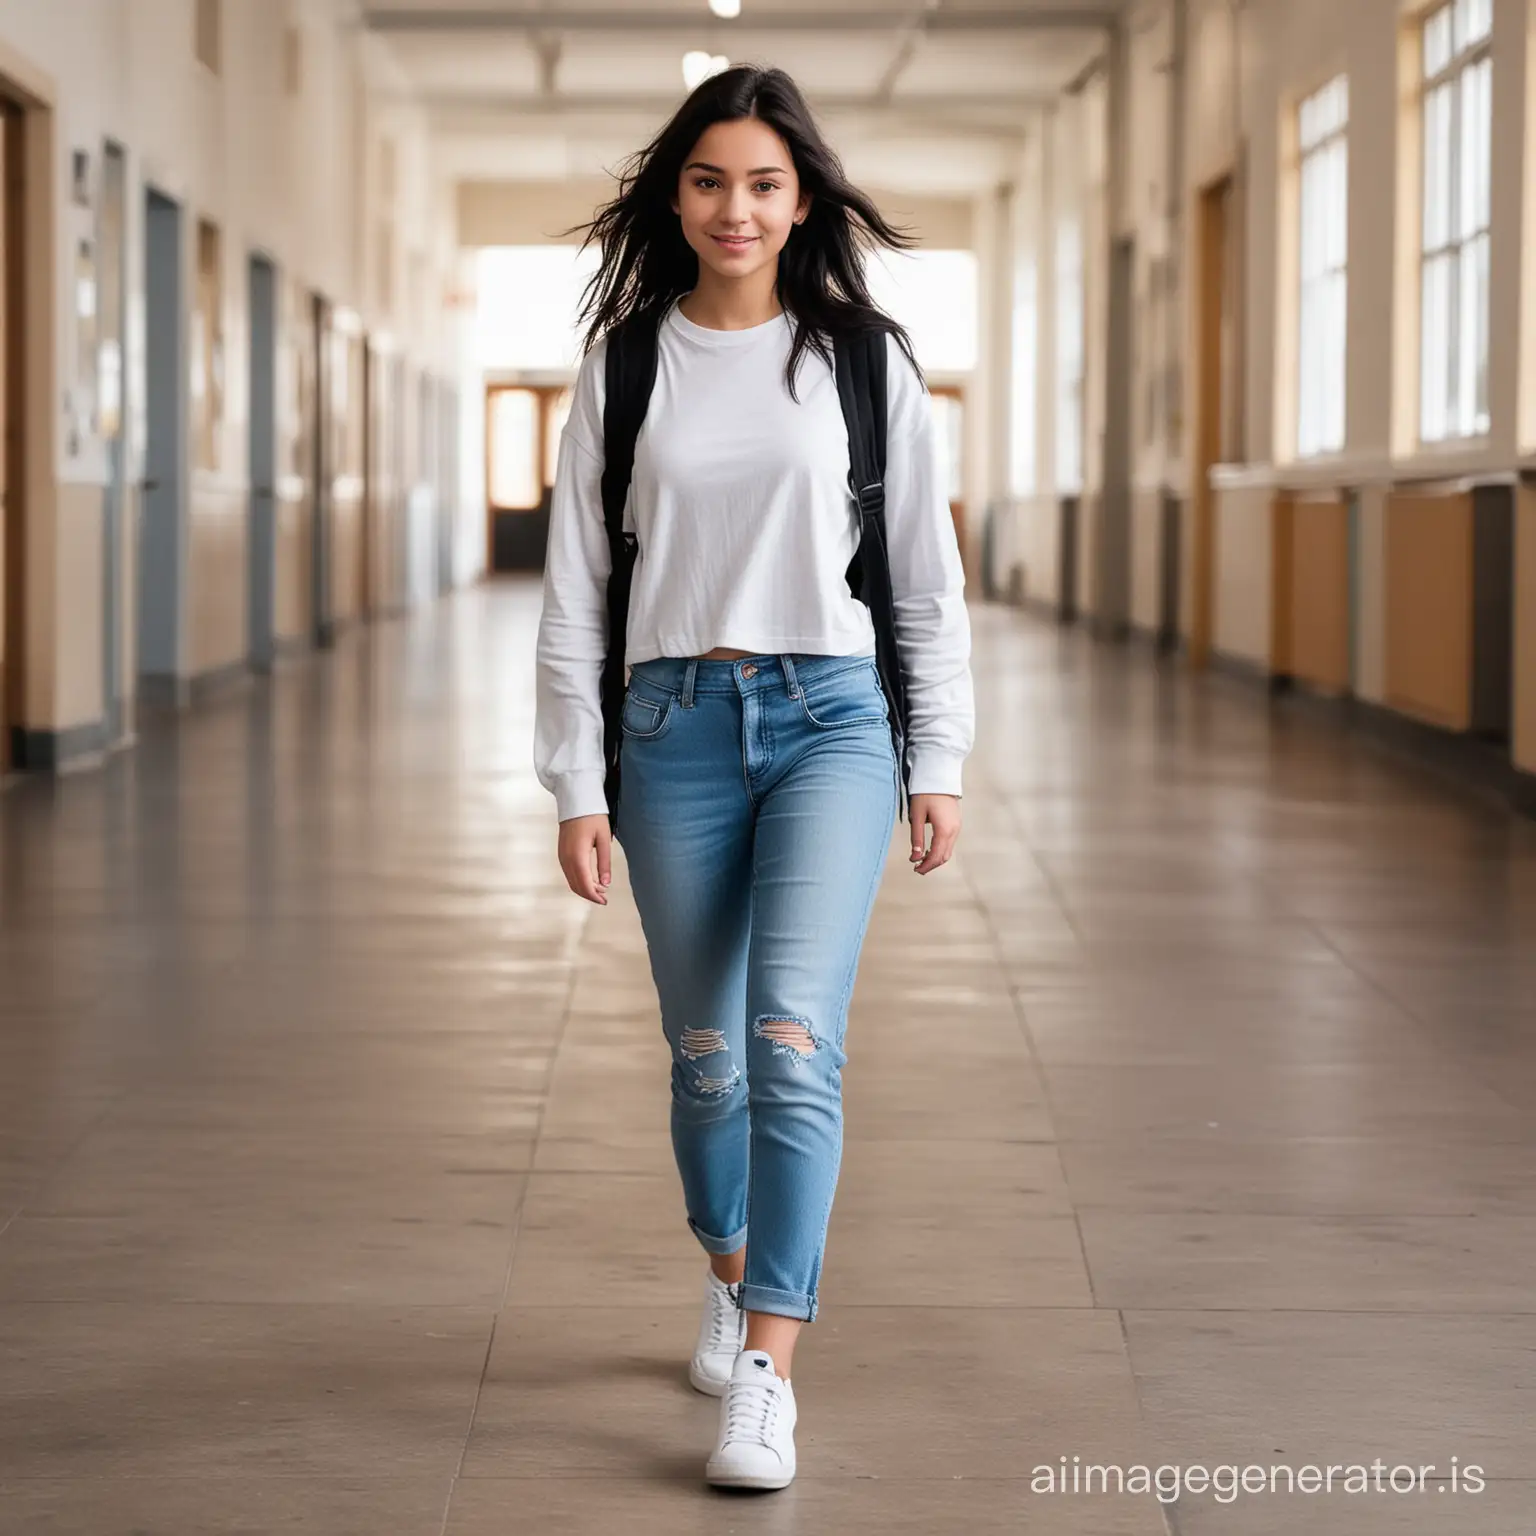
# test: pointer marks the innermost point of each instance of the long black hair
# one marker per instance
(647, 263)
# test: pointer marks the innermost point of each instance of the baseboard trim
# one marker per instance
(174, 695)
(1475, 764)
(1524, 798)
(50, 751)
(1245, 669)
(163, 691)
(218, 681)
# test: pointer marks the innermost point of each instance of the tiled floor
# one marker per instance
(1190, 1121)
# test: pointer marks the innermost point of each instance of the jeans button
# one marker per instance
(749, 670)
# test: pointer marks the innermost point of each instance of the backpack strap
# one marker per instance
(629, 376)
(861, 387)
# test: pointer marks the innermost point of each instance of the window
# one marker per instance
(1457, 129)
(208, 347)
(1323, 129)
(529, 297)
(1069, 359)
(933, 294)
(208, 40)
(1026, 348)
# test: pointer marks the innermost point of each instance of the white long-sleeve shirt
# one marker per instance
(739, 499)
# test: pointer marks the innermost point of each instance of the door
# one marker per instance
(323, 456)
(263, 463)
(424, 477)
(1112, 604)
(162, 544)
(1215, 365)
(112, 342)
(448, 483)
(296, 429)
(522, 434)
(12, 525)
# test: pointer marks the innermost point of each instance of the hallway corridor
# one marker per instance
(1191, 1120)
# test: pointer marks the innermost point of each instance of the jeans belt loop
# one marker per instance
(690, 672)
(791, 680)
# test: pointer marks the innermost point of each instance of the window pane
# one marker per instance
(1472, 340)
(1336, 241)
(1332, 436)
(1312, 205)
(1438, 107)
(1474, 21)
(933, 293)
(528, 300)
(1308, 412)
(1476, 146)
(1026, 342)
(515, 449)
(1069, 354)
(1437, 41)
(1435, 349)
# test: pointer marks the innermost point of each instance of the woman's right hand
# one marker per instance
(586, 856)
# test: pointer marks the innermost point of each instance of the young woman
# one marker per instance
(759, 784)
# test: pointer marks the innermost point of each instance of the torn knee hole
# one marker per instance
(788, 1035)
(701, 1042)
(708, 1087)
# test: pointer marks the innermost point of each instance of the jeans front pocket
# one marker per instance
(647, 711)
(849, 698)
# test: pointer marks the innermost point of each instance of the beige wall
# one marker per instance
(1244, 572)
(1146, 559)
(289, 175)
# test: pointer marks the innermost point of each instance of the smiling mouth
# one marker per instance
(734, 242)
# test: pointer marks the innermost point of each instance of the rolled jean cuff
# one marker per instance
(712, 1244)
(764, 1298)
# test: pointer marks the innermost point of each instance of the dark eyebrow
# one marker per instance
(714, 170)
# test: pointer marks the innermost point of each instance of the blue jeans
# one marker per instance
(756, 808)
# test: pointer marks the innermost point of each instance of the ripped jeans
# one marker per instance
(757, 803)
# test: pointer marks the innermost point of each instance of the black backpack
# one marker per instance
(861, 386)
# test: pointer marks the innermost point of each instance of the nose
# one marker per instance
(738, 208)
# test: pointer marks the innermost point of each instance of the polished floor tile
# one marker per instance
(1189, 1117)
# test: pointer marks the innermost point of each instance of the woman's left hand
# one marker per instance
(942, 813)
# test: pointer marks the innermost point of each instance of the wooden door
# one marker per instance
(522, 434)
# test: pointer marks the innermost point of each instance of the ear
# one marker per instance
(803, 209)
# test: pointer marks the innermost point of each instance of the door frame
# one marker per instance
(161, 617)
(1212, 275)
(13, 456)
(1112, 600)
(264, 287)
(322, 624)
(115, 181)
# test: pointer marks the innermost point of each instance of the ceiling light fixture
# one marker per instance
(725, 9)
(698, 66)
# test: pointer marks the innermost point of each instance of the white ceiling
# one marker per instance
(918, 95)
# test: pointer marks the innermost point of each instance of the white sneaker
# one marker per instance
(722, 1332)
(756, 1448)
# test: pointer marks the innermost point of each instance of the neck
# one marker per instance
(733, 303)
